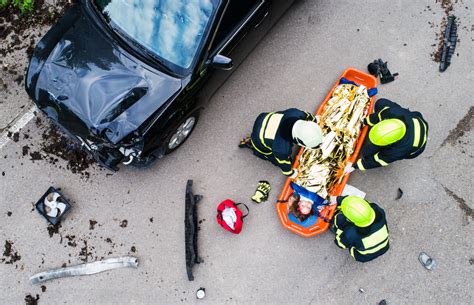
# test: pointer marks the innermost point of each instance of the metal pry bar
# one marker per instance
(86, 269)
(449, 43)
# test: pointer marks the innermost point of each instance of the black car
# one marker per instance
(128, 78)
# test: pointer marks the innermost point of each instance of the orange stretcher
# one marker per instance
(321, 226)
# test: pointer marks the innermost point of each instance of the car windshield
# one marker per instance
(171, 29)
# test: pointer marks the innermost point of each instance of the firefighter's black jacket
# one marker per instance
(410, 146)
(272, 138)
(364, 244)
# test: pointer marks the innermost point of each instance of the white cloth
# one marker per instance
(350, 190)
(229, 216)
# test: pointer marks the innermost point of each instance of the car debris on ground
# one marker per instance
(399, 194)
(379, 68)
(191, 229)
(53, 205)
(86, 269)
(201, 293)
(427, 261)
(449, 43)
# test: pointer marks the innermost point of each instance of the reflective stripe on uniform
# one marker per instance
(380, 161)
(425, 136)
(256, 148)
(309, 116)
(416, 140)
(338, 239)
(282, 161)
(374, 250)
(360, 165)
(426, 133)
(288, 172)
(380, 113)
(375, 238)
(368, 121)
(335, 217)
(373, 243)
(262, 130)
(272, 126)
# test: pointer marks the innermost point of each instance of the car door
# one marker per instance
(241, 26)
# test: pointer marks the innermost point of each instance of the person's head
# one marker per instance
(301, 207)
(307, 133)
(387, 132)
(358, 211)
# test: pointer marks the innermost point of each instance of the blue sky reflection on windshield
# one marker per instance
(173, 29)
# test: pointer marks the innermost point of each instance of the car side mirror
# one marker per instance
(221, 62)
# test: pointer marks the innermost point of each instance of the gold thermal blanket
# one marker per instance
(341, 120)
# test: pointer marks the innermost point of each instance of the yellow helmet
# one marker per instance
(358, 211)
(387, 132)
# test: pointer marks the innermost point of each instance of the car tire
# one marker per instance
(181, 133)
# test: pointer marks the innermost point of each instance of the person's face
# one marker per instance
(305, 207)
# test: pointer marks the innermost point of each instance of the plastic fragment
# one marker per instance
(191, 229)
(449, 43)
(427, 261)
(399, 194)
(201, 293)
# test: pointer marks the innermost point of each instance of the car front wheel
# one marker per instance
(182, 132)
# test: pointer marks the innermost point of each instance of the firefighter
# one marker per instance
(274, 134)
(395, 133)
(360, 227)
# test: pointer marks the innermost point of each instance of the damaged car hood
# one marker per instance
(90, 83)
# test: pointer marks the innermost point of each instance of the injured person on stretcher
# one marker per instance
(304, 206)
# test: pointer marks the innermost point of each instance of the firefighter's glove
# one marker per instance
(262, 192)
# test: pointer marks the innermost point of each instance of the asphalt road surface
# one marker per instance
(141, 212)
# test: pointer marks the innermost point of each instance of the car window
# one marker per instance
(235, 13)
(171, 29)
